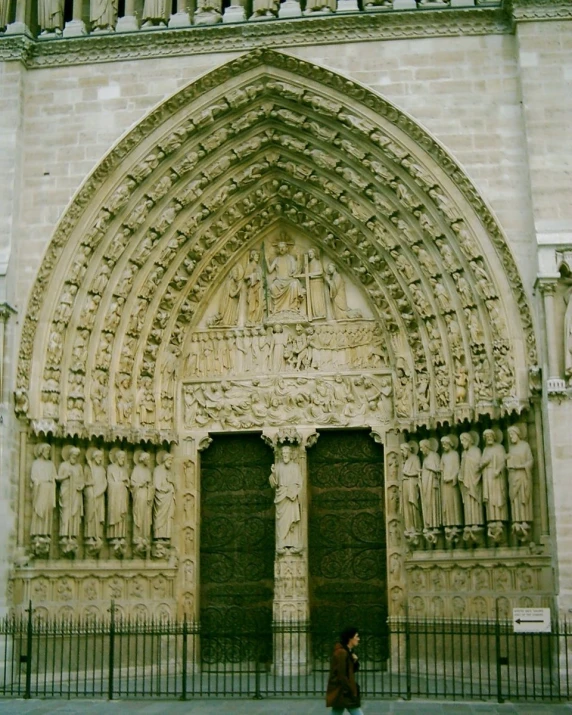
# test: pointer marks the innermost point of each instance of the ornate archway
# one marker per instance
(148, 261)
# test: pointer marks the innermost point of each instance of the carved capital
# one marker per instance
(546, 286)
(6, 311)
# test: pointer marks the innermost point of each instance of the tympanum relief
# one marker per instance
(286, 341)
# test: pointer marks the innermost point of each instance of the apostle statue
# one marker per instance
(164, 499)
(103, 15)
(286, 479)
(117, 500)
(471, 484)
(452, 515)
(94, 498)
(254, 289)
(493, 468)
(430, 489)
(143, 494)
(519, 465)
(285, 289)
(410, 491)
(72, 483)
(154, 13)
(50, 16)
(43, 478)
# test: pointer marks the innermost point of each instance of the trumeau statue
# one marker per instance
(286, 479)
(43, 478)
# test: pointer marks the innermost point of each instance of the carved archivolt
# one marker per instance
(168, 220)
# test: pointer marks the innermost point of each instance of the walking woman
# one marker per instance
(343, 691)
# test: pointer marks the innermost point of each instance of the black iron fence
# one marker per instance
(122, 658)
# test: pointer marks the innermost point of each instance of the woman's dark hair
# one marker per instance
(347, 634)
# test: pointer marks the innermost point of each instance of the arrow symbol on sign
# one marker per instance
(522, 620)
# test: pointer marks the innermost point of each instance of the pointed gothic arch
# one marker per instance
(265, 143)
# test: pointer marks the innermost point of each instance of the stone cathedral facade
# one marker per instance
(285, 304)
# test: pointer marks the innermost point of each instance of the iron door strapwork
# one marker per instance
(237, 550)
(347, 545)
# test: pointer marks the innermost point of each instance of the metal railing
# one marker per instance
(413, 658)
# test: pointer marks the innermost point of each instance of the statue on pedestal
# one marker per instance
(286, 479)
(471, 484)
(43, 477)
(164, 499)
(493, 463)
(94, 497)
(430, 490)
(519, 465)
(452, 516)
(410, 492)
(71, 479)
(117, 500)
(143, 494)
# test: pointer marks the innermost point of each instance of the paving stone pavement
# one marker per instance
(270, 707)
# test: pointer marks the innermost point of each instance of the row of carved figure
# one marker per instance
(277, 348)
(97, 496)
(157, 13)
(462, 493)
(294, 284)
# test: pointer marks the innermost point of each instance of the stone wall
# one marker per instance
(498, 103)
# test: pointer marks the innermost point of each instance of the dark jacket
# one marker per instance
(343, 691)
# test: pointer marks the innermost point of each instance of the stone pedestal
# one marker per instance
(347, 6)
(127, 23)
(76, 28)
(404, 5)
(180, 19)
(290, 8)
(234, 13)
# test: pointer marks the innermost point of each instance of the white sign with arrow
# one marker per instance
(531, 620)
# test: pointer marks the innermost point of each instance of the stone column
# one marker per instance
(76, 26)
(555, 383)
(291, 607)
(186, 538)
(129, 21)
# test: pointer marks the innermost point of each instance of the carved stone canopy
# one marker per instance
(264, 144)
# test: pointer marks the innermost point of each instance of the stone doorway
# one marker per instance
(347, 540)
(237, 549)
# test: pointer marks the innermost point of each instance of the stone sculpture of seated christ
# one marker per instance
(285, 289)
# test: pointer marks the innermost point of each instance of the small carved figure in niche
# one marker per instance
(450, 496)
(72, 483)
(143, 495)
(519, 465)
(164, 497)
(51, 16)
(285, 289)
(117, 500)
(229, 308)
(430, 490)
(154, 13)
(336, 292)
(316, 293)
(43, 477)
(254, 287)
(471, 484)
(94, 497)
(299, 352)
(103, 15)
(286, 479)
(410, 492)
(493, 463)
